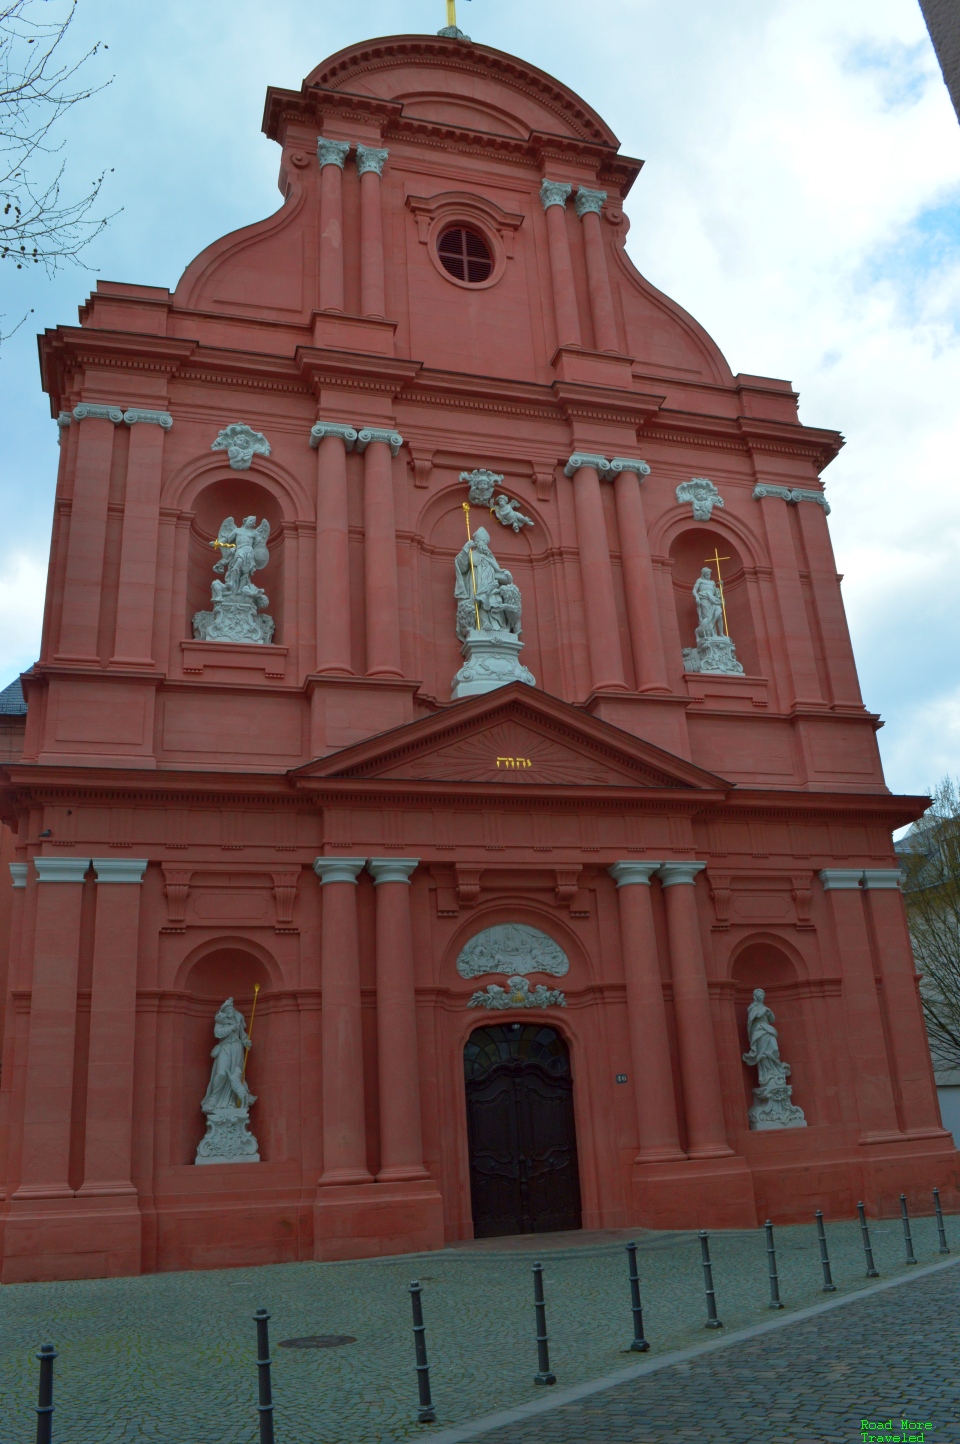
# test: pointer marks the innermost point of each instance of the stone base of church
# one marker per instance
(371, 1219)
(696, 1193)
(71, 1238)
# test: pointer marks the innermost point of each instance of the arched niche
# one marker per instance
(238, 495)
(230, 968)
(690, 551)
(762, 962)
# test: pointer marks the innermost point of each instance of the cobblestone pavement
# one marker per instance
(884, 1359)
(171, 1357)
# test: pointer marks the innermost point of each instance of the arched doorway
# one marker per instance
(523, 1146)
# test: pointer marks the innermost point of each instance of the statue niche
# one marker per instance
(239, 605)
(488, 624)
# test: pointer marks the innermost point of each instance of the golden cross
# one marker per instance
(452, 12)
(466, 514)
(716, 559)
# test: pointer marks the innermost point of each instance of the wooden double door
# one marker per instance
(520, 1123)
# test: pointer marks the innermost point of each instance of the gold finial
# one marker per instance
(253, 1014)
(715, 560)
(452, 12)
(466, 514)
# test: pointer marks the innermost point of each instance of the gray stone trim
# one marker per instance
(18, 874)
(453, 32)
(554, 193)
(332, 152)
(672, 873)
(791, 495)
(61, 869)
(346, 433)
(156, 418)
(585, 458)
(392, 869)
(338, 869)
(626, 874)
(587, 200)
(120, 869)
(702, 495)
(626, 463)
(242, 444)
(882, 877)
(841, 879)
(97, 413)
(393, 439)
(370, 158)
(64, 419)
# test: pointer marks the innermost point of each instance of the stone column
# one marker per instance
(906, 1029)
(793, 612)
(83, 574)
(865, 1042)
(646, 1016)
(401, 1142)
(553, 197)
(706, 1131)
(370, 163)
(841, 667)
(113, 1016)
(599, 603)
(639, 583)
(344, 1119)
(136, 592)
(48, 1086)
(332, 440)
(331, 155)
(381, 591)
(588, 205)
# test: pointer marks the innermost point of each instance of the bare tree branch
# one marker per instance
(930, 856)
(40, 225)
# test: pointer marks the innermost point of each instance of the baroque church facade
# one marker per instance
(444, 655)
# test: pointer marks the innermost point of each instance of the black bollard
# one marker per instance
(544, 1375)
(712, 1321)
(772, 1265)
(639, 1345)
(943, 1236)
(872, 1271)
(829, 1287)
(46, 1356)
(906, 1229)
(265, 1404)
(426, 1413)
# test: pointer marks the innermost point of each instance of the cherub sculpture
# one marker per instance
(509, 513)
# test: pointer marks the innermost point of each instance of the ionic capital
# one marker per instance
(120, 869)
(626, 874)
(155, 418)
(338, 869)
(346, 433)
(673, 873)
(762, 489)
(626, 463)
(370, 158)
(97, 413)
(588, 200)
(580, 459)
(61, 869)
(554, 193)
(368, 434)
(800, 493)
(791, 495)
(392, 869)
(332, 152)
(18, 874)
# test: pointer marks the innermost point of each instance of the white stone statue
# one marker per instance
(488, 621)
(772, 1107)
(238, 603)
(714, 651)
(509, 513)
(228, 1100)
(481, 483)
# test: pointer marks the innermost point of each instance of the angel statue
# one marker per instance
(237, 601)
(228, 1100)
(509, 513)
(772, 1107)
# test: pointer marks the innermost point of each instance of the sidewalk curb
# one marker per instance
(557, 1398)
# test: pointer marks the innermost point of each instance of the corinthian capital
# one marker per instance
(588, 200)
(554, 193)
(369, 158)
(332, 152)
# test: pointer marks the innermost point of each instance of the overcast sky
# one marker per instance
(801, 196)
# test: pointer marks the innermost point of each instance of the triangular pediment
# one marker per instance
(514, 736)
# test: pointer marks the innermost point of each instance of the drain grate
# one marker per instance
(318, 1341)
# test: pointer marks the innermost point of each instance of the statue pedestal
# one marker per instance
(226, 1139)
(772, 1109)
(233, 619)
(716, 654)
(491, 660)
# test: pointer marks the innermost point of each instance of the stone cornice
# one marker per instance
(605, 403)
(359, 370)
(745, 434)
(69, 349)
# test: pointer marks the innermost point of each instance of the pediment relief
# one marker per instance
(509, 753)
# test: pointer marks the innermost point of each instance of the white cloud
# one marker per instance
(22, 584)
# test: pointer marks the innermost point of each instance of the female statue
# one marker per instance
(227, 1088)
(764, 1052)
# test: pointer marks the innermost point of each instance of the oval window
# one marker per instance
(465, 254)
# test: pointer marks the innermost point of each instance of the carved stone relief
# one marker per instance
(702, 493)
(242, 444)
(512, 948)
(518, 994)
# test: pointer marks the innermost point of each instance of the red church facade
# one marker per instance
(315, 816)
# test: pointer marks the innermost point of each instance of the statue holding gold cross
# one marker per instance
(714, 651)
